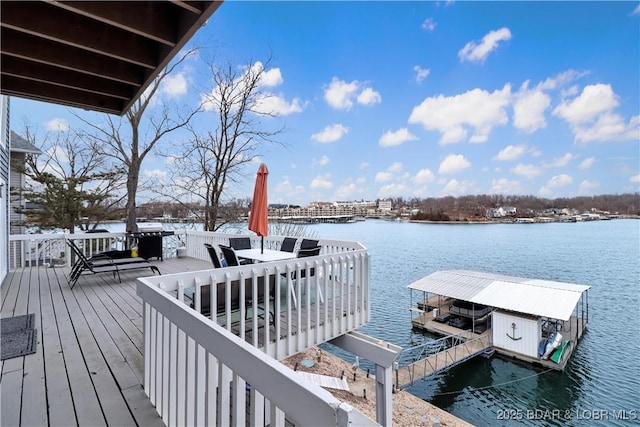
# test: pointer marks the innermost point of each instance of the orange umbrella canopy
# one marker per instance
(259, 218)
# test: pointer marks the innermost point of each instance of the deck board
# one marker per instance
(88, 368)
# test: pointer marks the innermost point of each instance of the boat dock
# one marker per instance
(536, 321)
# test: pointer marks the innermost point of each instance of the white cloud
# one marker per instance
(57, 125)
(562, 79)
(269, 78)
(322, 161)
(364, 165)
(529, 171)
(511, 152)
(429, 25)
(591, 116)
(561, 180)
(361, 180)
(557, 181)
(609, 127)
(424, 176)
(391, 138)
(368, 96)
(155, 173)
(529, 108)
(339, 94)
(174, 85)
(285, 187)
(478, 52)
(586, 186)
(267, 103)
(451, 115)
(395, 167)
(505, 186)
(635, 179)
(636, 11)
(592, 102)
(587, 163)
(321, 182)
(453, 163)
(393, 190)
(330, 133)
(559, 162)
(383, 176)
(456, 188)
(421, 73)
(277, 105)
(347, 191)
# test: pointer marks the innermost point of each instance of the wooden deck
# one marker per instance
(88, 368)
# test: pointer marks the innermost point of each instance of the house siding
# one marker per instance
(4, 187)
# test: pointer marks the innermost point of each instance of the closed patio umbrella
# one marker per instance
(259, 217)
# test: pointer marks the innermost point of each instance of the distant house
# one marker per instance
(20, 148)
(384, 205)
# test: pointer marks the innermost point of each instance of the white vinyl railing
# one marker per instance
(199, 373)
(303, 301)
(205, 370)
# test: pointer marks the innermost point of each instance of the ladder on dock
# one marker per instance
(437, 356)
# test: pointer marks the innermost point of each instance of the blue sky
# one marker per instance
(427, 99)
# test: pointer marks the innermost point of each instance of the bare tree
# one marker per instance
(71, 184)
(213, 160)
(130, 149)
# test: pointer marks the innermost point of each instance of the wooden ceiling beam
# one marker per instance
(158, 23)
(70, 58)
(34, 71)
(60, 95)
(79, 31)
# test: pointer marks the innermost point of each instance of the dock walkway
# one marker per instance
(431, 364)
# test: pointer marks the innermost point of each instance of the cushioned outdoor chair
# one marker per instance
(213, 254)
(308, 244)
(102, 263)
(288, 244)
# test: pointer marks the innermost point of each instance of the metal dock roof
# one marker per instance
(552, 299)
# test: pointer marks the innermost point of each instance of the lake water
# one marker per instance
(602, 379)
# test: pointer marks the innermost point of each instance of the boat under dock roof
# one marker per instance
(555, 300)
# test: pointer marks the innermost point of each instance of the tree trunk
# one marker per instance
(132, 189)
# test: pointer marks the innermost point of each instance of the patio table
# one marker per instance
(264, 256)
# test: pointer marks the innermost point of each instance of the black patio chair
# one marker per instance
(288, 244)
(102, 263)
(308, 244)
(213, 254)
(239, 243)
(230, 256)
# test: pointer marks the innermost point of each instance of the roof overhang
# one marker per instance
(96, 55)
(546, 298)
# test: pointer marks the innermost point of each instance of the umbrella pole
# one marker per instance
(261, 244)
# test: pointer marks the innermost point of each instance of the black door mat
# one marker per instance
(9, 325)
(18, 337)
(19, 343)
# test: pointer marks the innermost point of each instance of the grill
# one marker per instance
(149, 239)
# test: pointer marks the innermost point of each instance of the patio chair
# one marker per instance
(213, 253)
(288, 244)
(240, 242)
(308, 244)
(103, 258)
(205, 297)
(235, 260)
(104, 264)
